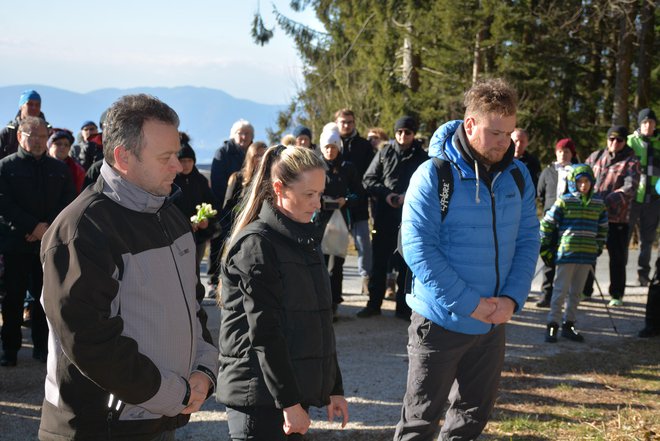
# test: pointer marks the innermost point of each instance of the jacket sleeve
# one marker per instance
(373, 178)
(551, 219)
(421, 229)
(20, 219)
(206, 358)
(631, 179)
(541, 188)
(263, 294)
(519, 280)
(80, 284)
(354, 188)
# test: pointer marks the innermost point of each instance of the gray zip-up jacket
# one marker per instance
(120, 287)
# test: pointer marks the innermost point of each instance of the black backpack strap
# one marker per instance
(520, 180)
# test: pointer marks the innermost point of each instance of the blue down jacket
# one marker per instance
(486, 246)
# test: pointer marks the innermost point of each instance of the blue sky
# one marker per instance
(86, 45)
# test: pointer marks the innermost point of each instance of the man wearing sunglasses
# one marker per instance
(617, 173)
(386, 180)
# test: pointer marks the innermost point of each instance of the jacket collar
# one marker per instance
(129, 195)
(304, 234)
(24, 154)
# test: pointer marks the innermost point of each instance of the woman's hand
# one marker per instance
(296, 420)
(338, 407)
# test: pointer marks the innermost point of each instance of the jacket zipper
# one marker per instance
(183, 291)
(497, 248)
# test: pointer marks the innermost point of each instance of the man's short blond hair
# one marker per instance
(490, 96)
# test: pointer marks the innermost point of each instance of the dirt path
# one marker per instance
(372, 357)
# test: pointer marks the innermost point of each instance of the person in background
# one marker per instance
(472, 255)
(303, 136)
(195, 190)
(520, 139)
(277, 343)
(59, 147)
(573, 233)
(360, 152)
(645, 210)
(617, 172)
(343, 190)
(239, 183)
(288, 140)
(130, 356)
(88, 130)
(29, 104)
(387, 181)
(377, 137)
(551, 185)
(652, 312)
(228, 159)
(34, 188)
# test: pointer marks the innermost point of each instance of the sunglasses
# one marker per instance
(405, 132)
(615, 139)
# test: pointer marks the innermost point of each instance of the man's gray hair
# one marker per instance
(240, 124)
(30, 123)
(125, 120)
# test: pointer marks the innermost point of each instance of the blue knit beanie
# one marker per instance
(28, 95)
(302, 130)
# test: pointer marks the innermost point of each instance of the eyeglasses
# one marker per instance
(405, 132)
(34, 138)
(615, 139)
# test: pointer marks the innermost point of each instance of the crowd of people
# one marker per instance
(102, 239)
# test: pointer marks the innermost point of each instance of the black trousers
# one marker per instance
(652, 316)
(617, 249)
(335, 266)
(257, 424)
(22, 271)
(445, 365)
(383, 243)
(548, 280)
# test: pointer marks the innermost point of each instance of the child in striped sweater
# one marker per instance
(573, 233)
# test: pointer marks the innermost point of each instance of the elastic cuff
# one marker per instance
(186, 397)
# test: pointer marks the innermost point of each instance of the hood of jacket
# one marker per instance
(571, 179)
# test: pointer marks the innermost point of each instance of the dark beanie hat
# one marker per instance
(88, 123)
(617, 132)
(566, 143)
(406, 122)
(302, 130)
(186, 150)
(59, 134)
(646, 114)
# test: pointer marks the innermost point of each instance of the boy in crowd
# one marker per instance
(573, 234)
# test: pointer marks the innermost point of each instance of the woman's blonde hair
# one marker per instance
(280, 163)
(248, 170)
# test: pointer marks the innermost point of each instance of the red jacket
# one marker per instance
(77, 173)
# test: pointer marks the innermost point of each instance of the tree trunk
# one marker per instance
(624, 57)
(645, 55)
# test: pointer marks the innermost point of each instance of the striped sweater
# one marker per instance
(577, 227)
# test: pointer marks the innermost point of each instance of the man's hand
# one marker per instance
(199, 388)
(296, 420)
(503, 312)
(393, 200)
(338, 407)
(484, 309)
(39, 230)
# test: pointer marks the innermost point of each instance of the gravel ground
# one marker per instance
(372, 355)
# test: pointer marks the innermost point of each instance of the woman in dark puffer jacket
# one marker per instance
(277, 344)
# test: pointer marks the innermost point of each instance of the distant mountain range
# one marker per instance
(206, 114)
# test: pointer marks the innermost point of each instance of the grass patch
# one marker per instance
(612, 394)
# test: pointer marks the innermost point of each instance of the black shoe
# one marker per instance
(40, 354)
(543, 303)
(644, 280)
(8, 359)
(568, 331)
(551, 332)
(648, 333)
(368, 312)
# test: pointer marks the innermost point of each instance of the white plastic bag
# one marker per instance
(335, 237)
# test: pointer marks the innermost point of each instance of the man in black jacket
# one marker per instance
(387, 180)
(34, 188)
(360, 152)
(29, 104)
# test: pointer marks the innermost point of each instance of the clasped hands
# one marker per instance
(494, 310)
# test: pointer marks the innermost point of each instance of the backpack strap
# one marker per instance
(519, 179)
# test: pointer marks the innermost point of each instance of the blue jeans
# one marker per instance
(362, 239)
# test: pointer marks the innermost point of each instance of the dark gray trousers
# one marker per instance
(445, 365)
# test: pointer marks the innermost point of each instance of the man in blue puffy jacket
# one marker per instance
(472, 247)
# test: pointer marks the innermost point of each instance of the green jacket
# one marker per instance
(640, 145)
